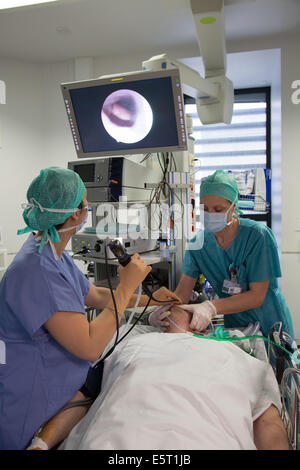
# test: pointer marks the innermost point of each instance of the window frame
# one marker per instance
(267, 217)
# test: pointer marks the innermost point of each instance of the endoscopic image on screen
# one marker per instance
(127, 116)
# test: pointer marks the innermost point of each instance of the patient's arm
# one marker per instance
(60, 426)
(269, 431)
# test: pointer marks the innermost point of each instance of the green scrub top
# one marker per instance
(254, 255)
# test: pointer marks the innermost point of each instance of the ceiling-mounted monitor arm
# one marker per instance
(214, 94)
(209, 19)
(191, 82)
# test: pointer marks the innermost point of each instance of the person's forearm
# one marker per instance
(183, 295)
(185, 288)
(237, 303)
(88, 340)
(105, 297)
(59, 427)
(142, 302)
(159, 298)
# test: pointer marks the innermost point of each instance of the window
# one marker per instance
(242, 146)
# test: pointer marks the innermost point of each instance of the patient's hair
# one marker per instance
(181, 317)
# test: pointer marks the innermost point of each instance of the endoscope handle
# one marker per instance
(119, 251)
(124, 258)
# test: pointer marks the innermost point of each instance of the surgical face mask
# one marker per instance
(78, 227)
(216, 221)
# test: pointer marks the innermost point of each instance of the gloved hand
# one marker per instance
(165, 295)
(202, 314)
(133, 273)
(156, 318)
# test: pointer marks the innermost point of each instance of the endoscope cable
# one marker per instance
(121, 339)
(117, 340)
(112, 296)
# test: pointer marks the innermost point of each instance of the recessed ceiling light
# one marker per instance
(5, 4)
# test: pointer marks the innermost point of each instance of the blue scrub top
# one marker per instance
(254, 253)
(39, 376)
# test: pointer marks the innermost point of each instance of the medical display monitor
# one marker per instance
(142, 112)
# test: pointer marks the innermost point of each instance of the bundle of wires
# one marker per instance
(163, 189)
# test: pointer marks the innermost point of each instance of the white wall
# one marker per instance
(276, 149)
(291, 180)
(57, 139)
(22, 144)
(34, 135)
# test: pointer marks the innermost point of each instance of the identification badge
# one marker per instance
(231, 288)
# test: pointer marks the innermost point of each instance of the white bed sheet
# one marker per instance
(173, 391)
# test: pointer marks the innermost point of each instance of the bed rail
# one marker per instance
(287, 371)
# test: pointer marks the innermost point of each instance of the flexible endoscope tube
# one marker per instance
(136, 305)
(117, 342)
(74, 404)
(113, 297)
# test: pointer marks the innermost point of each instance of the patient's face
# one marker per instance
(181, 317)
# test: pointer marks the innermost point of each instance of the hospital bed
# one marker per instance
(288, 380)
(287, 370)
(286, 366)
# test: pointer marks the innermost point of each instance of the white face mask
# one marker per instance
(216, 221)
(78, 227)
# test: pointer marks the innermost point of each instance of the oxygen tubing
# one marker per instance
(222, 338)
(221, 335)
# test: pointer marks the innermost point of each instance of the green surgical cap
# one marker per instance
(221, 184)
(54, 188)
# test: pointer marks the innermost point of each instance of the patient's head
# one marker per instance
(181, 317)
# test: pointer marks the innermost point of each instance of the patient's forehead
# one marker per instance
(176, 309)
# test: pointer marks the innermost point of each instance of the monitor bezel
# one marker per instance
(130, 77)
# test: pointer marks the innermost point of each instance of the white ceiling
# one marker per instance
(76, 28)
(247, 69)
